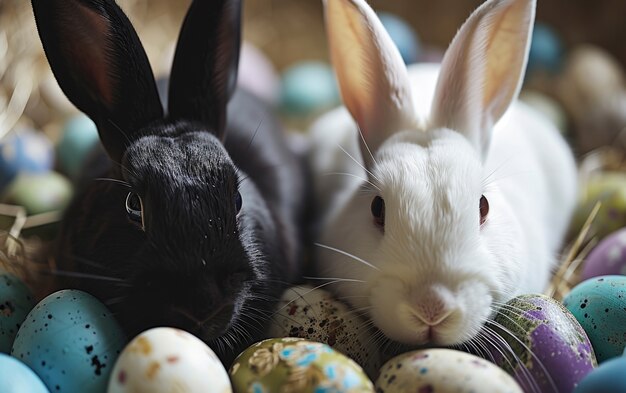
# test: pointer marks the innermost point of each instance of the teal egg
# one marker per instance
(71, 341)
(546, 50)
(79, 137)
(16, 301)
(308, 88)
(403, 35)
(39, 192)
(610, 377)
(599, 305)
(16, 377)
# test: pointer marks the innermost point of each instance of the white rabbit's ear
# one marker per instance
(483, 69)
(372, 77)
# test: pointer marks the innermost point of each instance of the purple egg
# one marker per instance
(540, 344)
(607, 258)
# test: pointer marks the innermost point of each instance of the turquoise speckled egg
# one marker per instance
(39, 192)
(403, 35)
(16, 301)
(599, 305)
(308, 88)
(608, 378)
(80, 136)
(16, 377)
(71, 341)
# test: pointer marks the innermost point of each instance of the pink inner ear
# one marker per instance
(85, 43)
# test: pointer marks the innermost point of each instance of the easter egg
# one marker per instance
(308, 88)
(599, 304)
(24, 150)
(314, 314)
(547, 107)
(607, 258)
(79, 137)
(257, 74)
(539, 342)
(403, 35)
(443, 371)
(296, 365)
(16, 377)
(16, 301)
(71, 341)
(39, 192)
(546, 50)
(608, 378)
(165, 359)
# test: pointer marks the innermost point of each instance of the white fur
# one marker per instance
(436, 272)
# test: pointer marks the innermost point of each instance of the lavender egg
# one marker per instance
(540, 344)
(607, 258)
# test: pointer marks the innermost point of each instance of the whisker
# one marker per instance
(363, 261)
(116, 181)
(358, 163)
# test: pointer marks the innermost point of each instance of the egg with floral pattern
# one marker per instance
(290, 365)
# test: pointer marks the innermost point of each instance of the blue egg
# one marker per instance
(71, 341)
(16, 377)
(599, 305)
(16, 301)
(309, 88)
(24, 150)
(403, 35)
(610, 377)
(80, 136)
(546, 50)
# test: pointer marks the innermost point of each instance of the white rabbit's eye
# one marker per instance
(378, 211)
(484, 209)
(238, 201)
(134, 208)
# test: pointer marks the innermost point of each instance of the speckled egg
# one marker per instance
(599, 304)
(16, 301)
(79, 137)
(403, 35)
(24, 150)
(608, 378)
(71, 341)
(16, 377)
(607, 258)
(314, 314)
(286, 365)
(540, 343)
(163, 360)
(443, 371)
(39, 192)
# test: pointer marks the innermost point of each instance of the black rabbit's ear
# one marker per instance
(204, 72)
(101, 66)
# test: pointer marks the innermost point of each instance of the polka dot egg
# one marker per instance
(599, 305)
(168, 360)
(443, 371)
(16, 301)
(71, 341)
(608, 257)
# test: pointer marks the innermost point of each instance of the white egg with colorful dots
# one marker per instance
(165, 359)
(443, 371)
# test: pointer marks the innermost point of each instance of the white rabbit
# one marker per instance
(449, 209)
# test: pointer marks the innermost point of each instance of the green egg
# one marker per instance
(39, 193)
(16, 301)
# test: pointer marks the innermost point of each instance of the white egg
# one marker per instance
(165, 359)
(314, 314)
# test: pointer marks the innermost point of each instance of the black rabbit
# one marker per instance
(197, 222)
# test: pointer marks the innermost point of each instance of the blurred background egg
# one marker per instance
(24, 150)
(403, 35)
(314, 314)
(308, 88)
(16, 377)
(296, 365)
(71, 341)
(443, 371)
(546, 50)
(16, 301)
(607, 258)
(257, 74)
(39, 192)
(540, 343)
(163, 360)
(78, 138)
(608, 378)
(547, 106)
(599, 304)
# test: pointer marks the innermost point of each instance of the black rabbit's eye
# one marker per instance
(238, 201)
(484, 209)
(134, 208)
(378, 211)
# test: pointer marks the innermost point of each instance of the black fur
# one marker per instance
(198, 265)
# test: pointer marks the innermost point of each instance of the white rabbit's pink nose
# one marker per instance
(432, 304)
